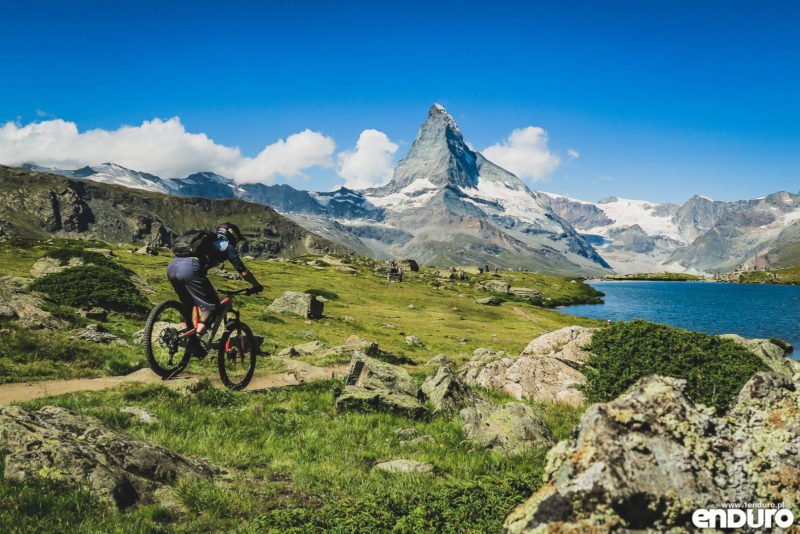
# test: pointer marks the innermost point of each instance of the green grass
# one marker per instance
(296, 465)
(444, 314)
(790, 275)
(664, 277)
(37, 355)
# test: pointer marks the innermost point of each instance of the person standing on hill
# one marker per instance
(188, 273)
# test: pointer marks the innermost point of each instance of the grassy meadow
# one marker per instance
(293, 464)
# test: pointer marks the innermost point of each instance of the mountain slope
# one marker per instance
(37, 204)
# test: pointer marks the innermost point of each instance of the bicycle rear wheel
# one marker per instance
(164, 346)
(237, 356)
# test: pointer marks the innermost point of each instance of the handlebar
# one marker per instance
(229, 293)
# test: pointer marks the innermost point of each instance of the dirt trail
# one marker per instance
(297, 372)
(525, 314)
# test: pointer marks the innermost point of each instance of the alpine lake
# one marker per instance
(750, 310)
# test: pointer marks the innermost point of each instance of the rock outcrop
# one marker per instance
(532, 377)
(771, 354)
(375, 385)
(296, 303)
(511, 428)
(26, 305)
(647, 460)
(121, 469)
(447, 392)
(565, 344)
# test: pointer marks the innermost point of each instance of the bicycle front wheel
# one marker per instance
(237, 356)
(164, 346)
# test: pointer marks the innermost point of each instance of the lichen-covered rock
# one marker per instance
(538, 378)
(121, 469)
(442, 359)
(355, 398)
(767, 432)
(375, 385)
(296, 303)
(497, 286)
(414, 341)
(404, 466)
(95, 334)
(409, 265)
(447, 392)
(7, 312)
(489, 301)
(647, 460)
(771, 354)
(305, 349)
(512, 427)
(26, 304)
(565, 344)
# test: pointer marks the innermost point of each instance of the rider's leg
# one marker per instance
(203, 295)
(178, 271)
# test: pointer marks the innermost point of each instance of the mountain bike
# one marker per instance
(166, 336)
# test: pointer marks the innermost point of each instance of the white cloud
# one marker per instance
(573, 153)
(525, 153)
(160, 147)
(370, 164)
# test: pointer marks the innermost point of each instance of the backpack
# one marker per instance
(194, 243)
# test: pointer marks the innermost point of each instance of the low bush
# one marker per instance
(64, 255)
(88, 286)
(715, 369)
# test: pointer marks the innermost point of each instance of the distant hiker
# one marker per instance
(495, 269)
(480, 270)
(486, 270)
(197, 251)
(608, 323)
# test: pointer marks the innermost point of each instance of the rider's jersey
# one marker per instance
(222, 250)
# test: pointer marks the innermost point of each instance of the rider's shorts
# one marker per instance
(193, 287)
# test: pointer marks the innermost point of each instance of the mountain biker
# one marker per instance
(188, 276)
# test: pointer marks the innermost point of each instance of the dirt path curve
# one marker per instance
(297, 372)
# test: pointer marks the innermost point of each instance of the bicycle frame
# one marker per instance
(221, 318)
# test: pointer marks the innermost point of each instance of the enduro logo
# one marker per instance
(756, 515)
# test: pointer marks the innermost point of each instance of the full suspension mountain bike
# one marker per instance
(167, 331)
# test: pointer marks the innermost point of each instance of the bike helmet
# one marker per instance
(231, 232)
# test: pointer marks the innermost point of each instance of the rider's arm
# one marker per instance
(237, 263)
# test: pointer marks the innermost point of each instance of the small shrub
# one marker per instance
(64, 255)
(88, 286)
(715, 369)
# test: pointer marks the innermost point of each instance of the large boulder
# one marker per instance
(771, 354)
(537, 378)
(375, 385)
(296, 303)
(511, 428)
(121, 469)
(565, 344)
(489, 301)
(409, 265)
(447, 392)
(647, 460)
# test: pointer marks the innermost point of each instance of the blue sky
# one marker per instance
(659, 100)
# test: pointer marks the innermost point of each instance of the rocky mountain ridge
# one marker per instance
(38, 204)
(700, 236)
